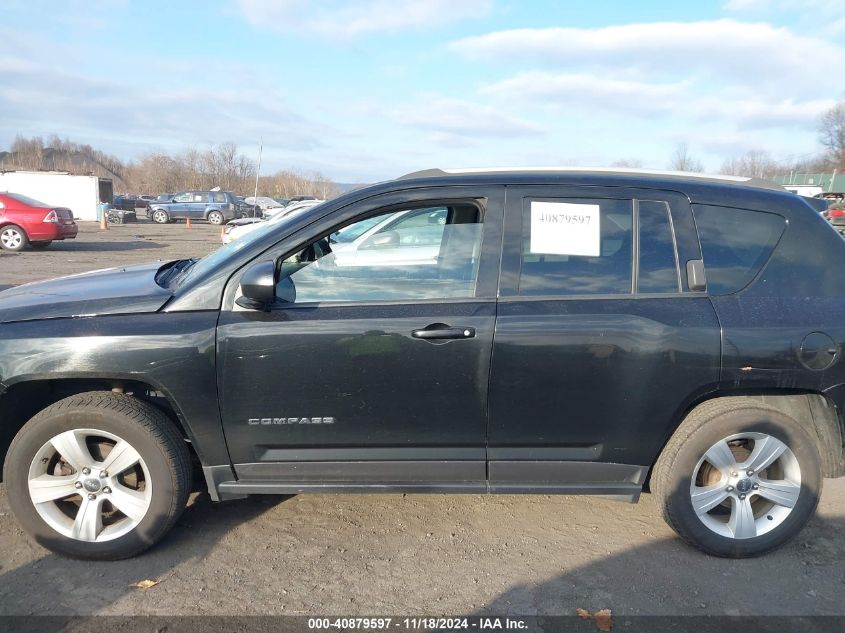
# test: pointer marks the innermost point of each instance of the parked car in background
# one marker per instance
(246, 210)
(836, 217)
(24, 220)
(148, 198)
(831, 196)
(214, 206)
(264, 203)
(240, 227)
(129, 203)
(293, 206)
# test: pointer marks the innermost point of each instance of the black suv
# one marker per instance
(577, 332)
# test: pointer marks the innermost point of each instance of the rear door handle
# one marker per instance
(442, 331)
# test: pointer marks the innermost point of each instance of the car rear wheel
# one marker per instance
(160, 216)
(738, 478)
(41, 244)
(98, 475)
(13, 238)
(215, 217)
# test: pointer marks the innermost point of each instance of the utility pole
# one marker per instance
(257, 172)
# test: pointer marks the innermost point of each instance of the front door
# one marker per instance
(600, 344)
(370, 370)
(179, 207)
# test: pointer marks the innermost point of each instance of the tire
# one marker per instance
(39, 245)
(13, 238)
(152, 484)
(215, 217)
(730, 516)
(160, 216)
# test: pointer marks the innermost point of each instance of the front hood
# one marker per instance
(126, 290)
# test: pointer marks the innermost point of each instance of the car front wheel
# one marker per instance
(738, 478)
(98, 475)
(13, 238)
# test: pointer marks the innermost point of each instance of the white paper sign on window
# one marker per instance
(565, 228)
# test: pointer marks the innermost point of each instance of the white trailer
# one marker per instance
(80, 194)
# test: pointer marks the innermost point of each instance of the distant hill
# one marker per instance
(72, 161)
(346, 187)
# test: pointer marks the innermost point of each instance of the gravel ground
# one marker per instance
(398, 554)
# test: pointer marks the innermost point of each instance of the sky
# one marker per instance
(368, 90)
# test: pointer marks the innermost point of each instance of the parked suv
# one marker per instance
(215, 206)
(576, 332)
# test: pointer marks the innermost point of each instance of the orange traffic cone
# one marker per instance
(104, 225)
(188, 223)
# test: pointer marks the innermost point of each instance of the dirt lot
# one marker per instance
(397, 554)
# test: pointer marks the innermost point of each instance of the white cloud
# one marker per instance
(750, 52)
(454, 122)
(699, 78)
(345, 19)
(577, 89)
(593, 93)
(805, 6)
(99, 110)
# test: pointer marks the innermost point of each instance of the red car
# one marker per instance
(26, 221)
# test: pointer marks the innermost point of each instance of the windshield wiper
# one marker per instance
(174, 271)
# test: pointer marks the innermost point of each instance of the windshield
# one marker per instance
(27, 200)
(214, 259)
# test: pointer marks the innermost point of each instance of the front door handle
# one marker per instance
(443, 331)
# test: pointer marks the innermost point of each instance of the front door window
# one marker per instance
(400, 255)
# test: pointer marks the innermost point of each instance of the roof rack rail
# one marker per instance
(620, 171)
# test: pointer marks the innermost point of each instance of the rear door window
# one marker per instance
(735, 244)
(576, 247)
(658, 261)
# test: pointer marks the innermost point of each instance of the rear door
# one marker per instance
(600, 344)
(195, 209)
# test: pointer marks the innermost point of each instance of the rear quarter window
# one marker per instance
(735, 244)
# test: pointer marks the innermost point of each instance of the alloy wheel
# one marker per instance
(90, 485)
(11, 239)
(745, 485)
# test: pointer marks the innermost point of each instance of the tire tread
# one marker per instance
(154, 423)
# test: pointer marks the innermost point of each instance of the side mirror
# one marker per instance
(258, 286)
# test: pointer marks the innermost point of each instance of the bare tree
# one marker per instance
(683, 161)
(219, 166)
(633, 163)
(832, 133)
(754, 163)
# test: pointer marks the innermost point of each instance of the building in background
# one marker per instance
(80, 194)
(812, 184)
